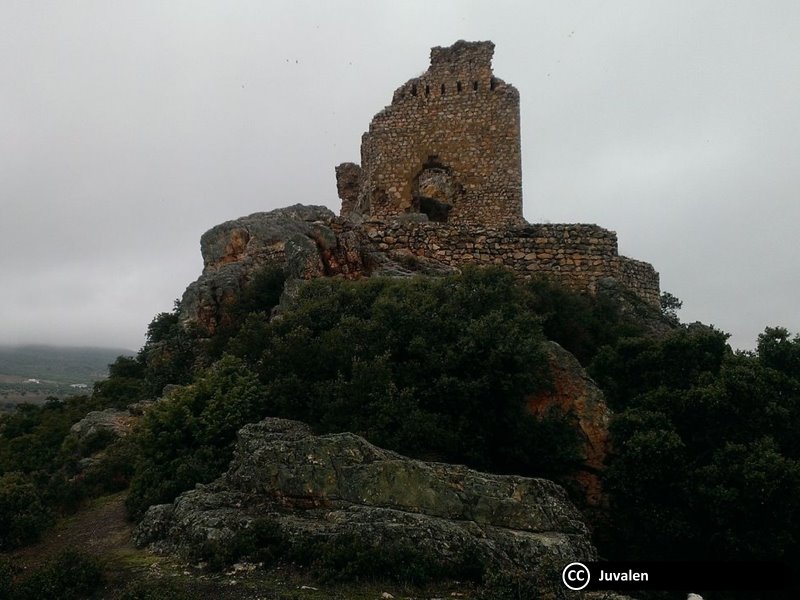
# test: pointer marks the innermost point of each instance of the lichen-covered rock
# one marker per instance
(109, 421)
(318, 487)
(297, 238)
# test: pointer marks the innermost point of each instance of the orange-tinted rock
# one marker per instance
(575, 393)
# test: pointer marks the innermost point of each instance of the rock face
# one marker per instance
(298, 238)
(574, 392)
(316, 487)
(306, 241)
(112, 421)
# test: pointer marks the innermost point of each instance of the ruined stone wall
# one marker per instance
(640, 278)
(577, 255)
(451, 139)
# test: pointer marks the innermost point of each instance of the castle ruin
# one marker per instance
(439, 187)
(448, 146)
(441, 179)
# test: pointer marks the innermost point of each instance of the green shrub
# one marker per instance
(113, 469)
(160, 589)
(23, 514)
(436, 368)
(582, 323)
(433, 368)
(706, 461)
(125, 383)
(69, 576)
(188, 438)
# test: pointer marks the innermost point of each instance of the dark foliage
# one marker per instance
(433, 368)
(343, 558)
(580, 322)
(37, 467)
(188, 438)
(706, 462)
(169, 353)
(69, 576)
(23, 514)
(125, 383)
(670, 305)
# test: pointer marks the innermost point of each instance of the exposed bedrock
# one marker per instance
(316, 487)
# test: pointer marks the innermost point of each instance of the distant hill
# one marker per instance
(59, 364)
(34, 372)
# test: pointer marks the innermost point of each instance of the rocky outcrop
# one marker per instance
(111, 421)
(575, 393)
(297, 238)
(306, 241)
(319, 487)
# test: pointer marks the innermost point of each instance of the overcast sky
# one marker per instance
(127, 129)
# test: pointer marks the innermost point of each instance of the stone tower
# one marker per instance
(447, 147)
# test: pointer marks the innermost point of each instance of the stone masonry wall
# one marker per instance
(640, 278)
(458, 123)
(577, 255)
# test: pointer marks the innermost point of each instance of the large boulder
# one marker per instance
(305, 241)
(298, 238)
(320, 487)
(112, 422)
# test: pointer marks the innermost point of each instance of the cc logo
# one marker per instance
(575, 576)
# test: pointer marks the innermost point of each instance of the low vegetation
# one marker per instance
(433, 368)
(706, 461)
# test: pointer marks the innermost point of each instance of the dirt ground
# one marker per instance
(100, 530)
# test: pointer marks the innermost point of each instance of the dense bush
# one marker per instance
(189, 437)
(174, 353)
(584, 323)
(432, 368)
(31, 437)
(69, 576)
(37, 467)
(125, 383)
(23, 514)
(706, 462)
(435, 368)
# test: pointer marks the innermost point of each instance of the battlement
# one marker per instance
(463, 68)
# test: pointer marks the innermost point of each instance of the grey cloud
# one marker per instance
(128, 130)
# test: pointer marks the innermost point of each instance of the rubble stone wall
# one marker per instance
(578, 255)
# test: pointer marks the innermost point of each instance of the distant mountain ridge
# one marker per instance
(63, 364)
